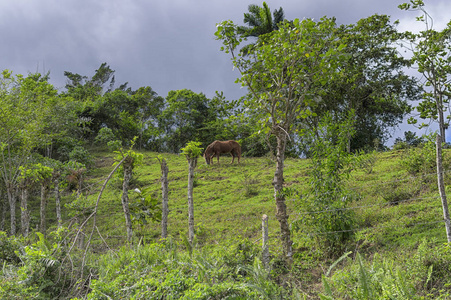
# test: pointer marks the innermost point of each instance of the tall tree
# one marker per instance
(83, 88)
(24, 109)
(88, 92)
(26, 181)
(260, 22)
(431, 51)
(186, 118)
(285, 73)
(132, 113)
(44, 176)
(372, 82)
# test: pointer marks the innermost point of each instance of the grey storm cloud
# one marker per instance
(164, 44)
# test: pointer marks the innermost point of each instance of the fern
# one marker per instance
(364, 280)
(337, 261)
(327, 289)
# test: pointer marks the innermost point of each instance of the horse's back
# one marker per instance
(223, 146)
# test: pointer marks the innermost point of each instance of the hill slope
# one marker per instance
(231, 199)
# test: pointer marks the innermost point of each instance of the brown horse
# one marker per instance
(218, 147)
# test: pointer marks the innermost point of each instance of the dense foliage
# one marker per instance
(316, 89)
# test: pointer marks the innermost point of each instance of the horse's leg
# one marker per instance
(236, 153)
(217, 155)
(233, 157)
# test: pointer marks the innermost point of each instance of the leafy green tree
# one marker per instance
(285, 73)
(26, 181)
(149, 108)
(24, 109)
(83, 88)
(372, 82)
(88, 92)
(431, 51)
(410, 140)
(133, 113)
(46, 172)
(188, 117)
(128, 113)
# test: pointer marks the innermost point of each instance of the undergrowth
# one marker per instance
(394, 207)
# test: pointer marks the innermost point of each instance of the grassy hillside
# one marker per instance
(231, 199)
(398, 239)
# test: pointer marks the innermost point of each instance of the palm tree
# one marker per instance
(260, 20)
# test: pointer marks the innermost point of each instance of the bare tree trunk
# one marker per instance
(81, 238)
(44, 196)
(441, 188)
(125, 201)
(24, 212)
(3, 218)
(58, 202)
(164, 192)
(441, 118)
(265, 249)
(281, 208)
(79, 182)
(192, 165)
(12, 208)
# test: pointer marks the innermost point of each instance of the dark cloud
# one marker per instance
(167, 45)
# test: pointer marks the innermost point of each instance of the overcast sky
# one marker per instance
(165, 44)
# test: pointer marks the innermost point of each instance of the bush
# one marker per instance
(41, 272)
(163, 271)
(424, 276)
(249, 183)
(9, 247)
(104, 136)
(81, 155)
(325, 205)
(420, 160)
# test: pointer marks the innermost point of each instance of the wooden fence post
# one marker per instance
(441, 188)
(265, 249)
(164, 192)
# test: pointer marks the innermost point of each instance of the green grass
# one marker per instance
(231, 199)
(395, 211)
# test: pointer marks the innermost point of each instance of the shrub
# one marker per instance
(326, 214)
(9, 247)
(422, 160)
(41, 273)
(163, 271)
(104, 136)
(81, 155)
(424, 276)
(249, 183)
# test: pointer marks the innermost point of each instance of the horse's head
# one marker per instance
(207, 157)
